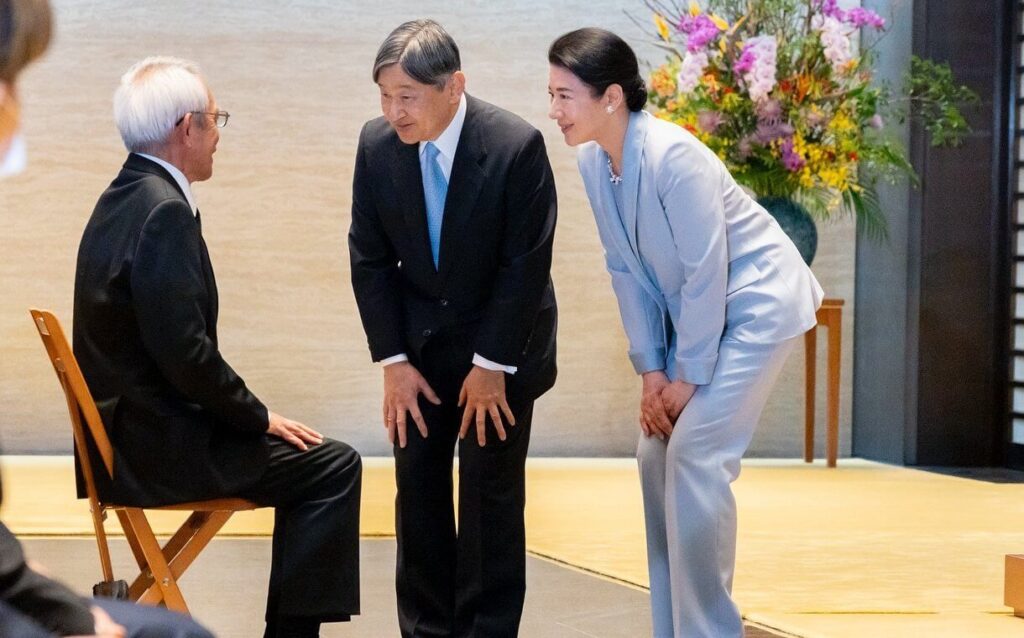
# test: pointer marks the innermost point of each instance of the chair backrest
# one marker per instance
(79, 399)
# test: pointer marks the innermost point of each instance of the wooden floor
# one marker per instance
(860, 551)
(226, 586)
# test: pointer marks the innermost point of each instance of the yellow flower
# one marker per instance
(719, 22)
(663, 83)
(842, 123)
(731, 101)
(662, 26)
(694, 8)
(806, 179)
(710, 82)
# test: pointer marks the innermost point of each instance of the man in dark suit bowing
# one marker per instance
(183, 424)
(453, 219)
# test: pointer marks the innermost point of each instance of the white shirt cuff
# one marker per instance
(398, 358)
(490, 365)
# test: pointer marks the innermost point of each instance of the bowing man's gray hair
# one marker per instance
(423, 49)
(153, 95)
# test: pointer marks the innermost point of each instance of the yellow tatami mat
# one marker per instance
(862, 550)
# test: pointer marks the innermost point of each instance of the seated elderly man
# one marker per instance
(183, 424)
(32, 605)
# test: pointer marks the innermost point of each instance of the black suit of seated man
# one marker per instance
(183, 424)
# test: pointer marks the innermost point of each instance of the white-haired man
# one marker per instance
(184, 426)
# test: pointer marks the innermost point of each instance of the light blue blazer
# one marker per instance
(693, 258)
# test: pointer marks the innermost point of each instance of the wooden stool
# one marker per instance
(830, 316)
(1013, 592)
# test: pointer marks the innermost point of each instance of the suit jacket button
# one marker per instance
(427, 333)
(444, 303)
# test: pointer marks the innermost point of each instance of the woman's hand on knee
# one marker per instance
(675, 396)
(654, 419)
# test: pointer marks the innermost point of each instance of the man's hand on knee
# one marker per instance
(299, 435)
(483, 394)
(403, 384)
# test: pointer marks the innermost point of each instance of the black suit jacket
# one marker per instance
(27, 596)
(493, 282)
(183, 424)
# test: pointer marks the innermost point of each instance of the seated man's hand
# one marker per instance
(483, 393)
(293, 432)
(403, 384)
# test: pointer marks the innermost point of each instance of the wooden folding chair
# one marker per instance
(159, 567)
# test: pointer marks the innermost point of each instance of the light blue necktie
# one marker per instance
(435, 189)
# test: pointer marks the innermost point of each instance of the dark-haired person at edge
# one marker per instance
(712, 296)
(32, 605)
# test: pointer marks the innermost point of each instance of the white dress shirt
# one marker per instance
(178, 176)
(447, 142)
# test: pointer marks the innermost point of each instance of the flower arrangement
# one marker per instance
(782, 92)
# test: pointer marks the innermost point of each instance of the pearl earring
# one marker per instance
(609, 109)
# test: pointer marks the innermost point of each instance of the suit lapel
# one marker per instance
(464, 184)
(632, 155)
(212, 299)
(408, 184)
(615, 221)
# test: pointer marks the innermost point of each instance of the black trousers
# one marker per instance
(314, 573)
(469, 583)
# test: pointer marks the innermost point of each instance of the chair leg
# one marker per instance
(165, 588)
(204, 526)
(181, 550)
(98, 515)
(184, 534)
(132, 538)
(144, 580)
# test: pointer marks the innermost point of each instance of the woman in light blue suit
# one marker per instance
(712, 296)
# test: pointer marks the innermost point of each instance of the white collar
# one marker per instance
(178, 177)
(448, 141)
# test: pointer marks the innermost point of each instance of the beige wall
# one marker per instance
(295, 77)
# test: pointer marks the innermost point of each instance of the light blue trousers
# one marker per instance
(689, 507)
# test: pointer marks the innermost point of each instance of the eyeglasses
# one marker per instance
(220, 118)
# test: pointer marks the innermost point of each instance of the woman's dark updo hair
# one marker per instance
(600, 59)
